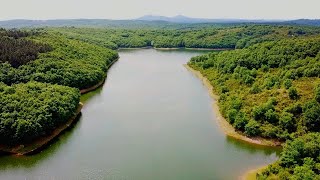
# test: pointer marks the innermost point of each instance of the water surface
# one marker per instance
(152, 120)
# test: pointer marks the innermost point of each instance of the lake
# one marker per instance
(152, 120)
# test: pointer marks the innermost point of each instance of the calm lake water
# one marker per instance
(152, 120)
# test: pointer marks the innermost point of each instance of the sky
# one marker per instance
(130, 9)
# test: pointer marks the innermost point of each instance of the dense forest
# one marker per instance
(269, 90)
(34, 109)
(299, 160)
(39, 74)
(268, 81)
(70, 63)
(230, 37)
(17, 50)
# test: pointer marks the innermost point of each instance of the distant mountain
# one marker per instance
(175, 19)
(309, 22)
(20, 23)
(148, 21)
(185, 19)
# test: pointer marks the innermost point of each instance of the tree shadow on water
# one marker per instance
(44, 153)
(253, 148)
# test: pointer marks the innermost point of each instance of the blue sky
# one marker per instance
(129, 9)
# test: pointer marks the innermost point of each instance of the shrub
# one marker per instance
(265, 68)
(248, 80)
(311, 114)
(224, 89)
(287, 83)
(236, 103)
(293, 93)
(232, 114)
(254, 72)
(286, 121)
(295, 109)
(240, 121)
(269, 130)
(317, 94)
(258, 112)
(271, 116)
(255, 89)
(252, 128)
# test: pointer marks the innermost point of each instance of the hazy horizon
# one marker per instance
(121, 9)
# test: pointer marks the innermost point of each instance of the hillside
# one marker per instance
(231, 37)
(40, 77)
(268, 80)
(268, 90)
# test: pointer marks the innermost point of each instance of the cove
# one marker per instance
(152, 119)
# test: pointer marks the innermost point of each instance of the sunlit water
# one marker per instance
(152, 120)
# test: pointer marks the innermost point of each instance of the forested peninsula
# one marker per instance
(41, 76)
(267, 82)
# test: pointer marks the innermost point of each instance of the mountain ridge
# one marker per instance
(147, 21)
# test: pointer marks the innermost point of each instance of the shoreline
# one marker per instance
(224, 125)
(178, 48)
(251, 173)
(39, 143)
(229, 130)
(211, 49)
(133, 48)
(92, 88)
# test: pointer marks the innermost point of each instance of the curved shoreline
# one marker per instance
(224, 125)
(251, 174)
(178, 48)
(228, 129)
(92, 88)
(41, 141)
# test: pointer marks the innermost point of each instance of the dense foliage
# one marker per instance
(269, 86)
(237, 36)
(298, 161)
(17, 50)
(30, 107)
(268, 89)
(272, 90)
(31, 110)
(70, 63)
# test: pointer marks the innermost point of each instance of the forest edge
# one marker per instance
(38, 144)
(92, 88)
(33, 147)
(229, 130)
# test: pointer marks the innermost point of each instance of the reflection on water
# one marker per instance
(87, 96)
(151, 120)
(252, 148)
(29, 161)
